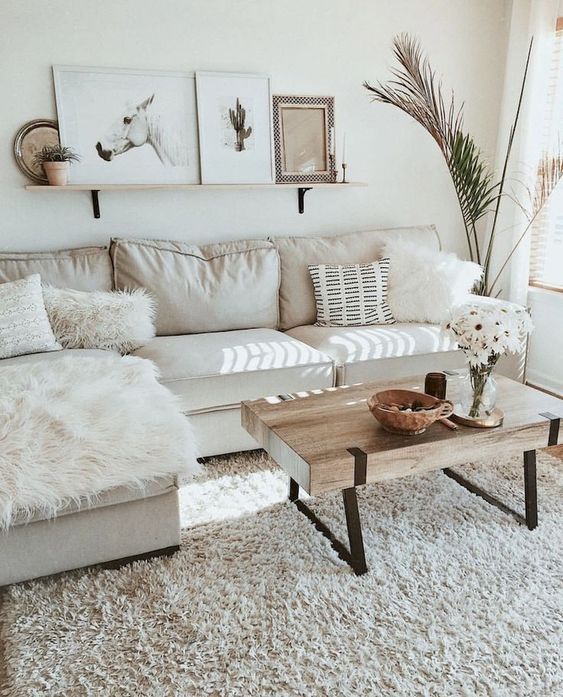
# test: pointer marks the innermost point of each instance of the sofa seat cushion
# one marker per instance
(221, 369)
(51, 356)
(362, 354)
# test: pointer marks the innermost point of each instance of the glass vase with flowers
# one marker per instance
(485, 331)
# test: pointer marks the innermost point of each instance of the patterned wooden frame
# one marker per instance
(280, 101)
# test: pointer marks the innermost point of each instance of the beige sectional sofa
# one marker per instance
(236, 320)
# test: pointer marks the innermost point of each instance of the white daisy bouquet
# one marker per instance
(485, 332)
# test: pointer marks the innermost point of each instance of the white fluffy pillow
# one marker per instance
(424, 285)
(115, 321)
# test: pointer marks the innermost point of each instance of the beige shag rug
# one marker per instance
(459, 600)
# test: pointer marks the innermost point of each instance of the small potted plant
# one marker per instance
(56, 160)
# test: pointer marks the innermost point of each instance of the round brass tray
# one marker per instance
(31, 137)
(495, 419)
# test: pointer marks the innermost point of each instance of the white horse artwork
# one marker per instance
(144, 125)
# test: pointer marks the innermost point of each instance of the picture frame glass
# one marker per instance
(305, 139)
(128, 126)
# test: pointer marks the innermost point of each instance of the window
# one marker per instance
(546, 261)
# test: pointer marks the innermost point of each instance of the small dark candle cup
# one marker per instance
(435, 385)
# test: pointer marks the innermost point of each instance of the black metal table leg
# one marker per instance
(355, 555)
(489, 498)
(530, 489)
(554, 422)
(530, 519)
(355, 537)
(293, 490)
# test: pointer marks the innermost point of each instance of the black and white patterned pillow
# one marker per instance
(351, 295)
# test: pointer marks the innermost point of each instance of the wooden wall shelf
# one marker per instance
(95, 189)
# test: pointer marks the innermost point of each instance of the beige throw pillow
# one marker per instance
(24, 324)
(218, 287)
(83, 268)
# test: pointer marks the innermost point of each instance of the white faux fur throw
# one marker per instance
(112, 320)
(76, 425)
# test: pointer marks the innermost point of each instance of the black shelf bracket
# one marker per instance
(301, 191)
(95, 202)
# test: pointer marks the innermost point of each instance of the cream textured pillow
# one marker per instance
(424, 285)
(351, 295)
(24, 324)
(115, 321)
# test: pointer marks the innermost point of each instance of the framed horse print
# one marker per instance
(235, 128)
(128, 126)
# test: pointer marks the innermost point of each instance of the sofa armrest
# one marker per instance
(484, 300)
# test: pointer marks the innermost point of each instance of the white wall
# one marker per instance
(307, 46)
(545, 357)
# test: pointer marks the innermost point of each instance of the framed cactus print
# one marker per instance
(304, 139)
(235, 128)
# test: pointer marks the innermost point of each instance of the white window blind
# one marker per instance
(546, 261)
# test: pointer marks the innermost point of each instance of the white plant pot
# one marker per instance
(57, 173)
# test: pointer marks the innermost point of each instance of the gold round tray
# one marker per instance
(495, 419)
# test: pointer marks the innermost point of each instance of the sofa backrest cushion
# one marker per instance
(297, 299)
(213, 288)
(85, 268)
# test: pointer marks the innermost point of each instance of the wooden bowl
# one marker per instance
(386, 408)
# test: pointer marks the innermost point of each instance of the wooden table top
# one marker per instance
(310, 436)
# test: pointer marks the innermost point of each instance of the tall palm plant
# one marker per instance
(415, 89)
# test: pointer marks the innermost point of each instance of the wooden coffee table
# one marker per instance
(327, 440)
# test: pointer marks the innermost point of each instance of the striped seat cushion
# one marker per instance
(351, 295)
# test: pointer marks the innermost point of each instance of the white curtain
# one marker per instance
(537, 19)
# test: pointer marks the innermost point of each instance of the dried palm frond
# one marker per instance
(416, 90)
